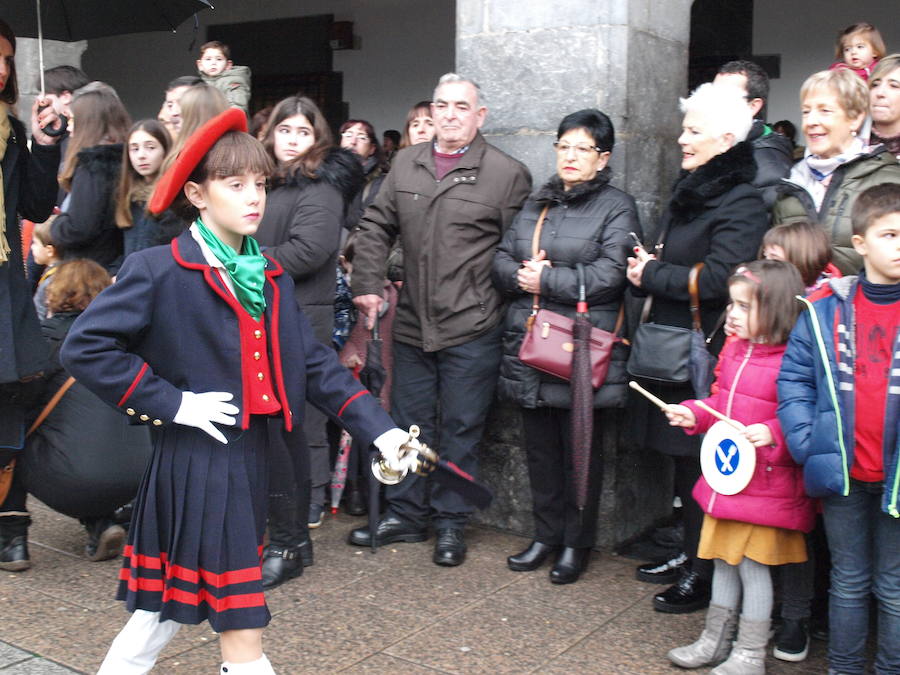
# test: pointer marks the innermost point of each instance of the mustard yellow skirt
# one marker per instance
(730, 540)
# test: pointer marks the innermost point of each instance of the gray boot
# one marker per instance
(714, 642)
(748, 656)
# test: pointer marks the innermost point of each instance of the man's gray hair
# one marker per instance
(449, 78)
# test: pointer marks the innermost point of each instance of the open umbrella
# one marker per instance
(582, 415)
(373, 377)
(69, 20)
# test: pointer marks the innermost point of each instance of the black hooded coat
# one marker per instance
(301, 229)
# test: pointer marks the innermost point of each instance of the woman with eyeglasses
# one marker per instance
(716, 217)
(586, 221)
(359, 137)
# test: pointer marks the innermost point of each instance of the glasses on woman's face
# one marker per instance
(364, 137)
(581, 151)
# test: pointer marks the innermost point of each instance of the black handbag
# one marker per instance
(672, 354)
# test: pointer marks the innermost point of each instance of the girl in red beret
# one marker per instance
(203, 341)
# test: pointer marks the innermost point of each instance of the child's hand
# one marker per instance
(351, 361)
(759, 435)
(680, 415)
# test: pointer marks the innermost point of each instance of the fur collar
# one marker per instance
(720, 174)
(105, 159)
(340, 169)
(554, 191)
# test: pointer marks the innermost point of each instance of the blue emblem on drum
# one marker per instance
(727, 456)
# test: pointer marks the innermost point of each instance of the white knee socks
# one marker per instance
(259, 667)
(138, 644)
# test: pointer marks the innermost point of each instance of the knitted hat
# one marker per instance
(193, 152)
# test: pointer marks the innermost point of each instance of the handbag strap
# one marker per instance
(535, 249)
(51, 404)
(694, 290)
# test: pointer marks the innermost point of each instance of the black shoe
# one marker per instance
(390, 529)
(355, 504)
(450, 547)
(661, 572)
(531, 558)
(569, 565)
(14, 554)
(280, 564)
(688, 595)
(105, 539)
(791, 641)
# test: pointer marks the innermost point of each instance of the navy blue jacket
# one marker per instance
(169, 325)
(815, 415)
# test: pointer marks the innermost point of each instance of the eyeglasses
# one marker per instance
(580, 150)
(360, 137)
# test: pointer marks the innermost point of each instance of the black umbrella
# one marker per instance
(582, 396)
(373, 376)
(70, 20)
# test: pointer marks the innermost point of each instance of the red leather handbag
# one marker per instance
(548, 346)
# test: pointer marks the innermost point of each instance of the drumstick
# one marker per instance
(653, 399)
(715, 413)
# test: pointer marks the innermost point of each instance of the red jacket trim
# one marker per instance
(275, 342)
(350, 400)
(134, 384)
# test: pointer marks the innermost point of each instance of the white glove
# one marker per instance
(388, 445)
(201, 410)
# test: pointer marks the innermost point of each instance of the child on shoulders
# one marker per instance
(858, 48)
(217, 70)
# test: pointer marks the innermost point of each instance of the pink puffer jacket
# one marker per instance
(775, 495)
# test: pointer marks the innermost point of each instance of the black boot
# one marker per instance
(531, 558)
(280, 564)
(691, 593)
(14, 554)
(105, 538)
(355, 502)
(569, 565)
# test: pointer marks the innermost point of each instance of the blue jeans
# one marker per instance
(458, 382)
(865, 558)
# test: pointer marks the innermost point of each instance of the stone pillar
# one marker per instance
(536, 62)
(56, 53)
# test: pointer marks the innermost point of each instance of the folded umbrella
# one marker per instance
(582, 413)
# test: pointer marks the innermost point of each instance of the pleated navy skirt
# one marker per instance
(194, 547)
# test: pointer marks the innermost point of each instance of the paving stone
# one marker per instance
(10, 655)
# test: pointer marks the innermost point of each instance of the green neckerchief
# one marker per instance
(247, 270)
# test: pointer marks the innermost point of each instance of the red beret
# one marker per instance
(194, 150)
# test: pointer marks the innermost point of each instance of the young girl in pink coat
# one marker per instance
(763, 524)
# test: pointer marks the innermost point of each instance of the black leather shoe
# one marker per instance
(450, 547)
(531, 558)
(280, 564)
(663, 572)
(688, 595)
(569, 565)
(355, 505)
(105, 539)
(14, 555)
(390, 529)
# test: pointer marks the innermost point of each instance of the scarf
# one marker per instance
(822, 167)
(246, 271)
(5, 133)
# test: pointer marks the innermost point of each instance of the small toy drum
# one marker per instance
(727, 459)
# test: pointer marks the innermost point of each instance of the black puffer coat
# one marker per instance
(301, 229)
(717, 217)
(87, 228)
(589, 224)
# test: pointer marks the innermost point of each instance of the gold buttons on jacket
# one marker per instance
(144, 418)
(256, 356)
(260, 377)
(130, 411)
(265, 398)
(257, 334)
(157, 423)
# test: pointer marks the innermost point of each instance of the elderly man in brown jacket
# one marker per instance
(449, 203)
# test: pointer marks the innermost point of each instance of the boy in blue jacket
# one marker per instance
(839, 406)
